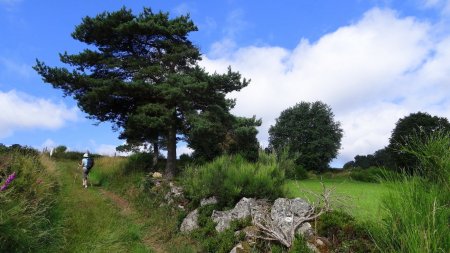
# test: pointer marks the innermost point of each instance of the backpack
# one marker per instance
(90, 163)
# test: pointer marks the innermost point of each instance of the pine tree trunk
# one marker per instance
(171, 152)
(155, 155)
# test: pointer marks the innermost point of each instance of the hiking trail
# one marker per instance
(97, 220)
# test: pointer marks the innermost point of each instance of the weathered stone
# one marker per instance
(313, 247)
(250, 232)
(246, 207)
(281, 216)
(305, 230)
(237, 248)
(208, 201)
(174, 194)
(286, 212)
(157, 175)
(175, 191)
(320, 243)
(242, 247)
(190, 222)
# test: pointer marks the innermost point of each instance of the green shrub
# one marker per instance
(61, 153)
(27, 213)
(139, 162)
(344, 233)
(291, 168)
(230, 178)
(370, 175)
(300, 245)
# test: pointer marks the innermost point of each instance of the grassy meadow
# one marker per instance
(360, 199)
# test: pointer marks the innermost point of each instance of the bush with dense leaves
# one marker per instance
(143, 161)
(344, 233)
(230, 178)
(291, 169)
(370, 175)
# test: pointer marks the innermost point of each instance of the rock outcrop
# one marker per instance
(190, 222)
(283, 217)
(245, 208)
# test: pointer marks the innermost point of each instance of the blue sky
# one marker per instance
(372, 61)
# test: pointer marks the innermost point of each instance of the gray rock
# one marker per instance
(175, 191)
(305, 230)
(286, 212)
(246, 207)
(190, 222)
(174, 194)
(312, 247)
(250, 232)
(208, 201)
(238, 248)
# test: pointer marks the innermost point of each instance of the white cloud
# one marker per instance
(109, 150)
(371, 73)
(21, 111)
(183, 149)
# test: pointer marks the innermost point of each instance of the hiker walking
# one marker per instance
(86, 163)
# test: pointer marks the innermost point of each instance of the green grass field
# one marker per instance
(360, 199)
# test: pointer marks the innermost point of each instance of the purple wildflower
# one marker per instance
(8, 181)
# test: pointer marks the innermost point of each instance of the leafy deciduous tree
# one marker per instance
(309, 130)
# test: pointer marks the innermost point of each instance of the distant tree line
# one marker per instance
(418, 125)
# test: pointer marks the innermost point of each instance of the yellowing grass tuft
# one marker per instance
(48, 163)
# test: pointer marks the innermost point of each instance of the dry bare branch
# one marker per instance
(272, 232)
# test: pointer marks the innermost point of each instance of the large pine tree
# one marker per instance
(140, 72)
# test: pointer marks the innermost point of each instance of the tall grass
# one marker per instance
(417, 210)
(106, 170)
(433, 153)
(28, 222)
(230, 178)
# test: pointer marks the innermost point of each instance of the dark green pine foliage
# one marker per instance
(310, 133)
(140, 72)
(212, 136)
